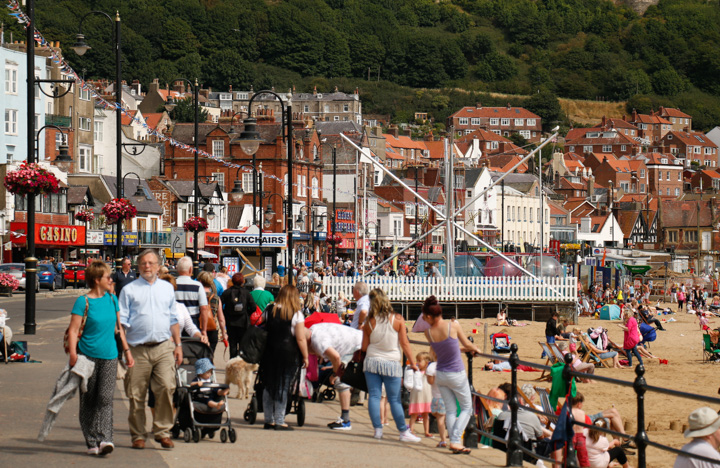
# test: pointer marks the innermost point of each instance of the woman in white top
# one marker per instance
(341, 304)
(383, 335)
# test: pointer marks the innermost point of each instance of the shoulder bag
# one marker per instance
(66, 340)
(353, 374)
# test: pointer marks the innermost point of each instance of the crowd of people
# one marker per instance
(139, 319)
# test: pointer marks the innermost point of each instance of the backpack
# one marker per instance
(235, 311)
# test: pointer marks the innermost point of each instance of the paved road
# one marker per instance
(25, 389)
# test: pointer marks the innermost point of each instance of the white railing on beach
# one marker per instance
(465, 289)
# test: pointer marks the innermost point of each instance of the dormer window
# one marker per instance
(664, 160)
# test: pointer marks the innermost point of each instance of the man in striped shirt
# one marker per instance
(192, 294)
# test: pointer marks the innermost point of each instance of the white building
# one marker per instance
(600, 230)
(524, 220)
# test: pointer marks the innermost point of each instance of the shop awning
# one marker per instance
(637, 269)
(204, 253)
(169, 254)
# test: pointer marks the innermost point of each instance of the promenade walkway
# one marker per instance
(25, 389)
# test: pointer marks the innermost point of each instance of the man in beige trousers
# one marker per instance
(147, 312)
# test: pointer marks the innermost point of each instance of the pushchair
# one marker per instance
(194, 418)
(500, 343)
(319, 378)
(295, 403)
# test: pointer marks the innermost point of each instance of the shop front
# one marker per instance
(130, 243)
(250, 252)
(51, 240)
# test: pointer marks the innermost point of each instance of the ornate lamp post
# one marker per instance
(250, 142)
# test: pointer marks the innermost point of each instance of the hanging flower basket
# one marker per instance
(8, 282)
(85, 216)
(336, 239)
(419, 245)
(31, 179)
(119, 209)
(196, 224)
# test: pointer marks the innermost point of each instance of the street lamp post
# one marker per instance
(270, 213)
(319, 227)
(80, 48)
(250, 142)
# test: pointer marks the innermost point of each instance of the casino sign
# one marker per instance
(50, 234)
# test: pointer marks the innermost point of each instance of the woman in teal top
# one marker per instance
(97, 343)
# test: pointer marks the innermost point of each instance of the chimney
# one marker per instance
(154, 86)
(230, 91)
(508, 106)
(478, 105)
(634, 115)
(603, 122)
(314, 90)
(394, 131)
(590, 188)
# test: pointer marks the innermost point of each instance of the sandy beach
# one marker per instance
(681, 345)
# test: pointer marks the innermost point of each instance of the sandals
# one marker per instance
(462, 451)
(441, 444)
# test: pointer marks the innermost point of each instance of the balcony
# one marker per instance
(58, 120)
(154, 238)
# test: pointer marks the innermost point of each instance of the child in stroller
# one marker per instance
(212, 397)
(200, 401)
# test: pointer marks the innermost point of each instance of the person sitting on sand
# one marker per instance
(502, 318)
(603, 354)
(578, 365)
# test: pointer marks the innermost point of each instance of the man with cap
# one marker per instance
(704, 428)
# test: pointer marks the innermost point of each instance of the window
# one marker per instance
(660, 174)
(519, 122)
(524, 213)
(663, 160)
(300, 185)
(247, 182)
(672, 236)
(84, 94)
(691, 236)
(495, 122)
(463, 121)
(98, 134)
(531, 122)
(315, 188)
(668, 175)
(667, 191)
(59, 139)
(677, 190)
(538, 215)
(220, 179)
(504, 122)
(83, 159)
(509, 215)
(11, 116)
(623, 148)
(336, 118)
(697, 150)
(85, 124)
(475, 121)
(587, 149)
(525, 134)
(218, 148)
(397, 227)
(547, 218)
(11, 79)
(531, 216)
(642, 188)
(642, 173)
(715, 184)
(607, 149)
(346, 107)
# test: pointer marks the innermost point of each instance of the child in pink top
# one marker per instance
(632, 336)
(421, 395)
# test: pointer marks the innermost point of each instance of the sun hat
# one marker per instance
(203, 365)
(703, 421)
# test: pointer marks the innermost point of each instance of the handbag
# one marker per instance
(252, 345)
(353, 375)
(66, 337)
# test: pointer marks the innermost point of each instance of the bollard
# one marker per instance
(75, 280)
(514, 454)
(641, 436)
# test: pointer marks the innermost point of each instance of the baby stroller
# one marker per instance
(500, 343)
(295, 403)
(319, 378)
(194, 418)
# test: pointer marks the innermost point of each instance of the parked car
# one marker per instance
(73, 272)
(18, 271)
(49, 277)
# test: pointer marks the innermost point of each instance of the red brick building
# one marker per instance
(502, 121)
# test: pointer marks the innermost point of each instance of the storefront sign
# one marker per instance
(50, 234)
(320, 236)
(95, 237)
(212, 239)
(252, 240)
(128, 238)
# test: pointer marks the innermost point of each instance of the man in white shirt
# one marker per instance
(361, 293)
(336, 343)
(704, 428)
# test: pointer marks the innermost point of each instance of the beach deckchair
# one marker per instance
(709, 352)
(559, 356)
(592, 355)
(545, 403)
(551, 359)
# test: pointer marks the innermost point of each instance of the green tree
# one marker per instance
(184, 111)
(546, 105)
(668, 82)
(178, 39)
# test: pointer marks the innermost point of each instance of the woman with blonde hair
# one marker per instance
(285, 351)
(601, 451)
(384, 335)
(216, 329)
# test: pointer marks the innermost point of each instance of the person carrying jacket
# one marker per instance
(238, 305)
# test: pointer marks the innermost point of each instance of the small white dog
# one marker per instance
(242, 374)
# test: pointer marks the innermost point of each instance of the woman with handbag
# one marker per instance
(384, 335)
(238, 306)
(285, 351)
(446, 339)
(216, 329)
(92, 332)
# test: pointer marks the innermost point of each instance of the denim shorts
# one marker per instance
(437, 406)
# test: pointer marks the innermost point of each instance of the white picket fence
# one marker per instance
(472, 289)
